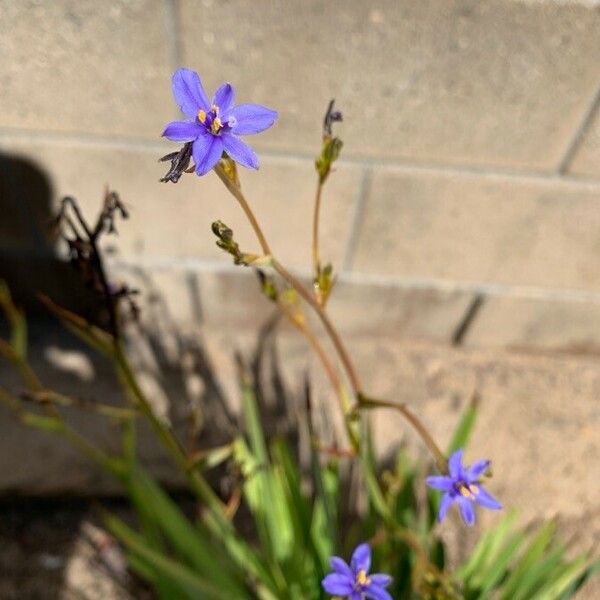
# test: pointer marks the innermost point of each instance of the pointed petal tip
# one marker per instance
(455, 465)
(188, 91)
(439, 482)
(467, 511)
(361, 558)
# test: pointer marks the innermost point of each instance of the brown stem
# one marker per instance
(333, 334)
(317, 347)
(335, 338)
(363, 401)
(237, 193)
(336, 384)
(438, 455)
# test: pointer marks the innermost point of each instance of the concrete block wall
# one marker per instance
(465, 210)
(471, 165)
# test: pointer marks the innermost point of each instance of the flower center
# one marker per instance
(362, 579)
(468, 491)
(211, 120)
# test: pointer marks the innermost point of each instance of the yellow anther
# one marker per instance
(201, 116)
(216, 125)
(362, 579)
(466, 492)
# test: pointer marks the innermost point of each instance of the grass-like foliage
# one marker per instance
(292, 515)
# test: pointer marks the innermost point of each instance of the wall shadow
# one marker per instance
(28, 260)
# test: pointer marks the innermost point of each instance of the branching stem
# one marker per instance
(367, 403)
(363, 401)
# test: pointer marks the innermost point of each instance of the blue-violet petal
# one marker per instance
(251, 118)
(189, 93)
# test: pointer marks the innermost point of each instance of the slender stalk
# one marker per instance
(315, 231)
(57, 424)
(237, 193)
(329, 368)
(332, 332)
(362, 400)
(27, 374)
(371, 403)
(92, 453)
(239, 196)
(197, 482)
(50, 397)
(316, 346)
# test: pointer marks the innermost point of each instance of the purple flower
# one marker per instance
(463, 487)
(214, 127)
(354, 582)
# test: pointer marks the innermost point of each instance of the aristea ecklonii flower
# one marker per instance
(462, 486)
(354, 582)
(214, 127)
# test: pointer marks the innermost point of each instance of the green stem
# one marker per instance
(165, 435)
(106, 410)
(30, 379)
(315, 232)
(56, 424)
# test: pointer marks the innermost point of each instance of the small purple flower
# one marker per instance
(462, 486)
(354, 582)
(214, 127)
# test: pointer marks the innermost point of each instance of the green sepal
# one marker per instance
(330, 152)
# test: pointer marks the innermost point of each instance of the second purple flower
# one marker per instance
(214, 127)
(462, 486)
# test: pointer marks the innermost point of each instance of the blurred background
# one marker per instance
(463, 219)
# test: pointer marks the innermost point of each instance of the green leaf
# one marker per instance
(487, 579)
(486, 548)
(267, 588)
(165, 587)
(532, 554)
(465, 426)
(299, 510)
(324, 526)
(567, 575)
(265, 501)
(538, 574)
(258, 486)
(163, 565)
(369, 471)
(590, 571)
(213, 457)
(195, 550)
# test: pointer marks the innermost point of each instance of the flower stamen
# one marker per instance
(362, 579)
(201, 116)
(216, 125)
(468, 491)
